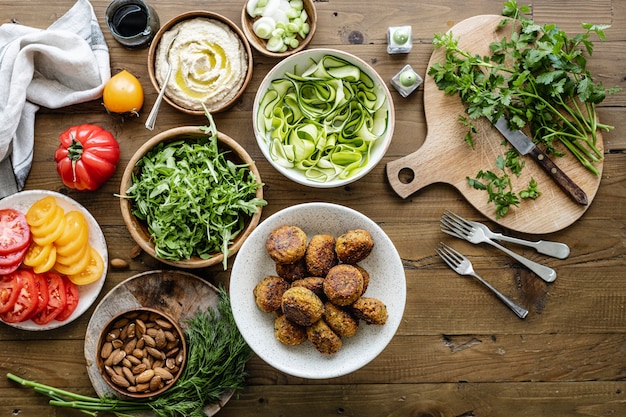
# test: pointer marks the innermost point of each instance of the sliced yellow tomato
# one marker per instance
(75, 245)
(44, 240)
(51, 225)
(73, 257)
(75, 224)
(41, 211)
(74, 268)
(48, 264)
(37, 254)
(92, 273)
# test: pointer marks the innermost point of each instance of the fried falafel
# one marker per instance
(315, 284)
(292, 272)
(320, 255)
(286, 244)
(343, 285)
(301, 306)
(288, 332)
(354, 246)
(340, 321)
(323, 338)
(370, 310)
(268, 293)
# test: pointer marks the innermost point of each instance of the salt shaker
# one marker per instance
(399, 40)
(406, 80)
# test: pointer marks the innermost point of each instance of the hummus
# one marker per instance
(209, 64)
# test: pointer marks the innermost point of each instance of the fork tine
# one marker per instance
(452, 253)
(449, 255)
(449, 224)
(453, 220)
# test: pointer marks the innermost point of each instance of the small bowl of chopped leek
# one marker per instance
(323, 118)
(279, 28)
(190, 196)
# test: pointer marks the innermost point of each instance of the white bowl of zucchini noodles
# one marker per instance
(323, 118)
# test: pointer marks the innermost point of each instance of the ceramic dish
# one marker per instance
(178, 294)
(387, 283)
(88, 293)
(208, 55)
(139, 229)
(298, 62)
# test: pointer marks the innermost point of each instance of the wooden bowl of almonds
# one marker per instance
(141, 353)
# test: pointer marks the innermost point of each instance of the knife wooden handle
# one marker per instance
(564, 182)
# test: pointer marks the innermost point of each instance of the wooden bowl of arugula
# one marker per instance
(190, 198)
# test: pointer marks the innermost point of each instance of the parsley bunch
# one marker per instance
(536, 77)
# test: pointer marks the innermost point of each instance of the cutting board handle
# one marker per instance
(417, 170)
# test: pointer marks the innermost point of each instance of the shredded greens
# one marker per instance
(536, 77)
(193, 198)
(324, 120)
(216, 357)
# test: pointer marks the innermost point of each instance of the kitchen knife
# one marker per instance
(525, 146)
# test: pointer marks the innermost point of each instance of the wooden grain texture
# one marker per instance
(458, 351)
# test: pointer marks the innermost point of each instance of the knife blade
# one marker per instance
(525, 146)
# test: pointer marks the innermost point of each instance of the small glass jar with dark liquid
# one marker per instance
(133, 23)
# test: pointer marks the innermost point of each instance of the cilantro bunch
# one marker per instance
(537, 77)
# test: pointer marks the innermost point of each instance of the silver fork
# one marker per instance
(455, 225)
(462, 266)
(546, 247)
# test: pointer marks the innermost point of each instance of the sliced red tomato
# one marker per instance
(14, 231)
(57, 299)
(43, 296)
(12, 261)
(72, 298)
(26, 300)
(10, 287)
(13, 257)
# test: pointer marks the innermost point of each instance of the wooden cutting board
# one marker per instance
(446, 158)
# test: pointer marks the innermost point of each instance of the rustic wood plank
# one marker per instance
(458, 351)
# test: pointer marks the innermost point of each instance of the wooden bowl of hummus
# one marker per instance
(295, 21)
(196, 197)
(211, 62)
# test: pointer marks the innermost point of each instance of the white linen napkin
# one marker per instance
(68, 63)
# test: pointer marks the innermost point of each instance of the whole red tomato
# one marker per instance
(86, 157)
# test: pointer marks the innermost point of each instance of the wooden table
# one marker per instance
(458, 352)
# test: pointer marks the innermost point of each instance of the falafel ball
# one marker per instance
(292, 272)
(354, 246)
(301, 306)
(289, 333)
(320, 255)
(366, 277)
(315, 284)
(340, 321)
(370, 310)
(343, 285)
(286, 244)
(323, 338)
(268, 293)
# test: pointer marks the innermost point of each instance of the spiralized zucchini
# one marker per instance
(325, 120)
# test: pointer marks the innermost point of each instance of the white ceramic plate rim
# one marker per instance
(253, 263)
(88, 293)
(301, 59)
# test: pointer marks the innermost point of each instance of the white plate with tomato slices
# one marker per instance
(88, 293)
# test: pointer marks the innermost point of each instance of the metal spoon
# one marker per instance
(155, 108)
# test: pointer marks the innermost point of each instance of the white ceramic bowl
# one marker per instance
(299, 62)
(387, 283)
